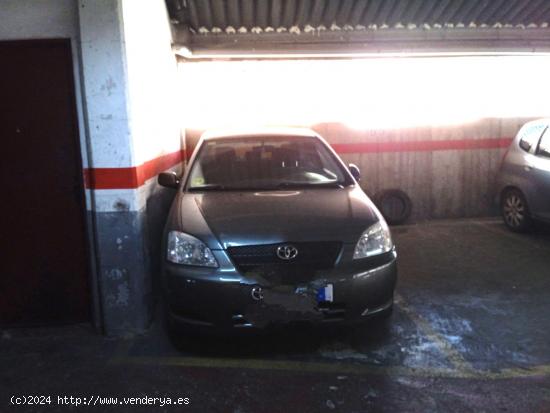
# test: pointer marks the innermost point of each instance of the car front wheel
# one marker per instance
(515, 211)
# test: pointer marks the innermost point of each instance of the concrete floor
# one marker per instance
(470, 332)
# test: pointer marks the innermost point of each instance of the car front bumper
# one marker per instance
(223, 298)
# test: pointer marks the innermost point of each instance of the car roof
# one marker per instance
(542, 121)
(529, 126)
(263, 131)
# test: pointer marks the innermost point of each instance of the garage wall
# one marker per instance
(434, 126)
(448, 171)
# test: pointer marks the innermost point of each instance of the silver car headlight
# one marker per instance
(375, 240)
(186, 249)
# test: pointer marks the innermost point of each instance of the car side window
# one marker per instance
(529, 136)
(544, 144)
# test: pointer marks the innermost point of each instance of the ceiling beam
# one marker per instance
(467, 40)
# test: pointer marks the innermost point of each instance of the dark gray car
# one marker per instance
(270, 227)
(524, 179)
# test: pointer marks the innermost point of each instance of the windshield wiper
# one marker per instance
(281, 185)
(218, 187)
(207, 187)
(310, 185)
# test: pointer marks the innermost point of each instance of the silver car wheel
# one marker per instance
(514, 210)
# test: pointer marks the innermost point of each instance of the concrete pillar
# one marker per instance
(128, 76)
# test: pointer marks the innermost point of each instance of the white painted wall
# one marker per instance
(370, 93)
(152, 76)
(105, 84)
(129, 73)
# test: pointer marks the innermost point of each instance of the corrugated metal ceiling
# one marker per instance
(298, 16)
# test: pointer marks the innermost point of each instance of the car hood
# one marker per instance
(266, 217)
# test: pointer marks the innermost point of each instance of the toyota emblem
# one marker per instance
(287, 252)
(257, 293)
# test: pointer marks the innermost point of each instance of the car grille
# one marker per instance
(262, 260)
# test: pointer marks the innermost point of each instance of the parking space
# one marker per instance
(469, 333)
(481, 288)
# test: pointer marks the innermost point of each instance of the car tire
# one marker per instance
(515, 211)
(394, 204)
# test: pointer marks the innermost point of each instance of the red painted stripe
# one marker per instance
(421, 146)
(131, 177)
(134, 177)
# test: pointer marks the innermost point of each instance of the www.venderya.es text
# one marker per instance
(97, 400)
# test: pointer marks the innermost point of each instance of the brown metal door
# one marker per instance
(44, 264)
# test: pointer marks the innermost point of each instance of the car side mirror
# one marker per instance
(168, 179)
(355, 172)
(526, 146)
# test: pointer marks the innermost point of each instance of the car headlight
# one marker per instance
(186, 249)
(375, 240)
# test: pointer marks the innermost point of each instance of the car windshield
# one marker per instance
(271, 162)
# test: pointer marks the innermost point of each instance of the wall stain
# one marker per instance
(121, 205)
(108, 86)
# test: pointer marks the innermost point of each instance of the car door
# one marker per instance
(517, 167)
(540, 170)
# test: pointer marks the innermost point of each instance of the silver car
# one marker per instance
(524, 178)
